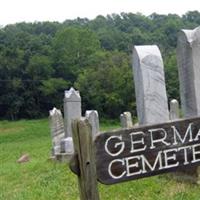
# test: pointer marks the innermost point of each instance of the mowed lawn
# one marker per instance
(43, 179)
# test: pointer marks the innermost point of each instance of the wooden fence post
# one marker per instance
(84, 148)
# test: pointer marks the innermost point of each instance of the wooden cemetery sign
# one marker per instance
(132, 153)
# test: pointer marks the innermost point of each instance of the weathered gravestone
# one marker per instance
(188, 57)
(174, 109)
(72, 109)
(63, 147)
(93, 118)
(150, 89)
(57, 130)
(126, 120)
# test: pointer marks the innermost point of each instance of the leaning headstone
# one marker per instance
(57, 129)
(188, 57)
(93, 118)
(174, 109)
(150, 89)
(126, 120)
(72, 109)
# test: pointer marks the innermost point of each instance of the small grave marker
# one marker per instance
(174, 109)
(126, 120)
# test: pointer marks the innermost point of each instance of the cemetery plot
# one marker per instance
(134, 153)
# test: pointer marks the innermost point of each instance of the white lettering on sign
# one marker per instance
(121, 144)
(133, 142)
(170, 158)
(164, 159)
(197, 136)
(196, 153)
(130, 165)
(178, 136)
(185, 150)
(158, 161)
(110, 168)
(160, 140)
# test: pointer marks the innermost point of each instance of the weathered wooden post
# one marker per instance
(85, 151)
(150, 89)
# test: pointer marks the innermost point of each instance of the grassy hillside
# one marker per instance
(42, 179)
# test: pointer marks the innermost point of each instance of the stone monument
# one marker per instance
(150, 89)
(188, 57)
(57, 130)
(72, 109)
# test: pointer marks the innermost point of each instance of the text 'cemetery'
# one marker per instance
(145, 151)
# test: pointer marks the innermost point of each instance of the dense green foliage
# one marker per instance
(43, 179)
(38, 61)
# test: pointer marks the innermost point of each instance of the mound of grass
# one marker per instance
(43, 179)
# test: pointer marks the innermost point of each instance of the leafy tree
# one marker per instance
(104, 86)
(172, 80)
(38, 61)
(71, 49)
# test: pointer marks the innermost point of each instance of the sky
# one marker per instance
(12, 11)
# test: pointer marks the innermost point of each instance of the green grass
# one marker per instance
(43, 179)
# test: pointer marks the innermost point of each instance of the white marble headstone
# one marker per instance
(57, 129)
(174, 109)
(188, 57)
(126, 120)
(72, 109)
(150, 89)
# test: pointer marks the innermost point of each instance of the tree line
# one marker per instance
(38, 61)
